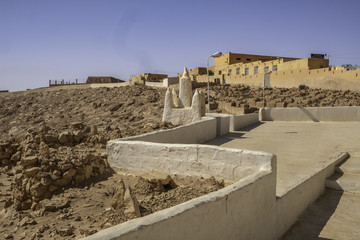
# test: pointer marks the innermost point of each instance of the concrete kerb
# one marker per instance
(305, 193)
(222, 123)
(241, 121)
(138, 157)
(254, 174)
(315, 114)
(285, 210)
(197, 132)
(228, 122)
(196, 221)
(188, 220)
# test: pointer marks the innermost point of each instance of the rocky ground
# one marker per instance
(302, 96)
(54, 179)
(105, 201)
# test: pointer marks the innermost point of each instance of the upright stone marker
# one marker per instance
(185, 109)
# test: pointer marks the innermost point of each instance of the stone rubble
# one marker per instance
(47, 161)
(251, 98)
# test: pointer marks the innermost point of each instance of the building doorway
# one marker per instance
(267, 80)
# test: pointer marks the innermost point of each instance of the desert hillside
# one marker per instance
(54, 178)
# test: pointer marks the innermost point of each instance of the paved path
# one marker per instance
(302, 148)
(336, 214)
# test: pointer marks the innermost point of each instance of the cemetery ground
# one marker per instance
(54, 178)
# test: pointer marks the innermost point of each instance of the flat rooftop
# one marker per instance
(302, 148)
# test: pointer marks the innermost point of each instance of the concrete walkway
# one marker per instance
(336, 214)
(347, 176)
(302, 148)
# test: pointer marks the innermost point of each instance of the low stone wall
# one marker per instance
(246, 209)
(315, 114)
(241, 121)
(197, 132)
(290, 206)
(171, 81)
(218, 215)
(222, 123)
(155, 84)
(109, 85)
(227, 106)
(185, 159)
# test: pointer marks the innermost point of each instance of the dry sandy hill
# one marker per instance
(54, 180)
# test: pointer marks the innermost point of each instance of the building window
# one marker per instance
(256, 70)
(229, 72)
(238, 59)
(274, 68)
(237, 71)
(248, 59)
(246, 71)
(220, 72)
(266, 69)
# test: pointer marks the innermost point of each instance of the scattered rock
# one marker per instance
(54, 204)
(117, 201)
(131, 204)
(44, 150)
(32, 171)
(8, 236)
(64, 138)
(16, 157)
(29, 161)
(26, 221)
(66, 231)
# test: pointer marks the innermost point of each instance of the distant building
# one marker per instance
(147, 77)
(103, 79)
(232, 67)
(351, 67)
(275, 71)
(199, 71)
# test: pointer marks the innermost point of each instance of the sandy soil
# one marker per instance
(80, 211)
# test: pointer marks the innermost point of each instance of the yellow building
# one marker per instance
(103, 79)
(234, 68)
(147, 77)
(199, 71)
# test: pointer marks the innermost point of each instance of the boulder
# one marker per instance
(29, 161)
(16, 157)
(66, 178)
(117, 201)
(44, 150)
(88, 171)
(132, 209)
(37, 190)
(54, 204)
(65, 138)
(31, 172)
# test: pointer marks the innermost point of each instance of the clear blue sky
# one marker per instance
(53, 39)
